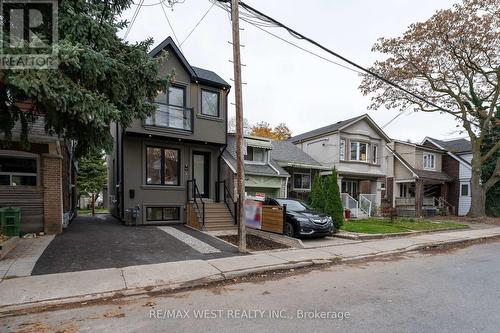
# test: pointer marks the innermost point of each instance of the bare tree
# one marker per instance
(453, 61)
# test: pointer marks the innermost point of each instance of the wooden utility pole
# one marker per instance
(240, 172)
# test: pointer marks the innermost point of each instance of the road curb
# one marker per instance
(10, 310)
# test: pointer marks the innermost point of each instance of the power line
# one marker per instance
(259, 15)
(136, 13)
(197, 24)
(170, 25)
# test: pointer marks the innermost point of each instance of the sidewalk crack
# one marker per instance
(123, 277)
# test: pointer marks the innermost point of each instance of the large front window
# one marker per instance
(162, 166)
(209, 103)
(255, 154)
(301, 181)
(171, 111)
(359, 151)
(18, 171)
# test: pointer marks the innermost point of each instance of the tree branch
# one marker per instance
(494, 178)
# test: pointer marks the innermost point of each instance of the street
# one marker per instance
(448, 291)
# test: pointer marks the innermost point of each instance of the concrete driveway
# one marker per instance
(104, 242)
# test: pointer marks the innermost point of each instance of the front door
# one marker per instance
(201, 172)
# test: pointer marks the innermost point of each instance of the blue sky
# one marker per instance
(285, 84)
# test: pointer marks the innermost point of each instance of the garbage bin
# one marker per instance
(10, 221)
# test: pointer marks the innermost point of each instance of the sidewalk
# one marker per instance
(82, 286)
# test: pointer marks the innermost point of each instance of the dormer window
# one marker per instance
(256, 155)
(429, 161)
(209, 103)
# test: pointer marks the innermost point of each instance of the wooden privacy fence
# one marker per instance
(273, 218)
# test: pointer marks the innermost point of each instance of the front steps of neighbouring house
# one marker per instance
(217, 216)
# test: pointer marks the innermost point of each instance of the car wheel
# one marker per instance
(289, 230)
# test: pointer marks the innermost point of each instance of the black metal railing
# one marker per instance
(194, 195)
(171, 116)
(227, 198)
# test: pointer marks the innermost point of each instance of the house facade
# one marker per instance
(301, 167)
(40, 179)
(263, 175)
(417, 184)
(159, 164)
(457, 164)
(355, 147)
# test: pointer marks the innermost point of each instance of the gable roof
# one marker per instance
(338, 126)
(455, 146)
(286, 153)
(196, 73)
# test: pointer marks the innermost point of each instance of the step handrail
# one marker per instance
(196, 195)
(226, 195)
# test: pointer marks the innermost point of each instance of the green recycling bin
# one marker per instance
(11, 221)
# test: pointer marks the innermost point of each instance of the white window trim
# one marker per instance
(358, 151)
(302, 188)
(266, 157)
(375, 154)
(433, 160)
(342, 149)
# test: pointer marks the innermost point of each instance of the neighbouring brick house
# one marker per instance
(456, 164)
(39, 180)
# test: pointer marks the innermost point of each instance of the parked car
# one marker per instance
(302, 221)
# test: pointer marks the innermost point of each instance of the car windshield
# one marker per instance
(294, 205)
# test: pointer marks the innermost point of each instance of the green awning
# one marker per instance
(259, 143)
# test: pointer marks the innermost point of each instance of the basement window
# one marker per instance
(162, 213)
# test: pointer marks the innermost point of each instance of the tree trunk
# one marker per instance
(93, 203)
(478, 196)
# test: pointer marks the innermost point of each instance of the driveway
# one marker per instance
(104, 242)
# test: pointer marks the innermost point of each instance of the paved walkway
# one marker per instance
(85, 285)
(21, 260)
(104, 242)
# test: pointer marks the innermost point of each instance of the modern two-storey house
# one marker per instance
(158, 165)
(355, 147)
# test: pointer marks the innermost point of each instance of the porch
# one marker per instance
(360, 196)
(422, 198)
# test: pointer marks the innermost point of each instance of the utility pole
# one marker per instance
(240, 172)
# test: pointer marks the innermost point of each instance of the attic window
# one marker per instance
(255, 154)
(429, 161)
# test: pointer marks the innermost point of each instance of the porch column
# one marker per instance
(419, 197)
(51, 165)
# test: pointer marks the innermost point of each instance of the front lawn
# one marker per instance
(88, 211)
(385, 226)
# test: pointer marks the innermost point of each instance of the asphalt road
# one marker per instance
(457, 291)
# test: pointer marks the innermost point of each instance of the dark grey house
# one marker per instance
(154, 162)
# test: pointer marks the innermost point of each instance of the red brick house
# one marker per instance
(39, 180)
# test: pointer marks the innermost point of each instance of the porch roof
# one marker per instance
(433, 175)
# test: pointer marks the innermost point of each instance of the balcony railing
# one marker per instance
(169, 116)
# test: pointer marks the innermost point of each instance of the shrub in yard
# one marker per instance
(333, 203)
(317, 196)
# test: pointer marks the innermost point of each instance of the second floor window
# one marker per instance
(342, 150)
(359, 151)
(429, 161)
(255, 154)
(171, 111)
(209, 103)
(375, 154)
(162, 166)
